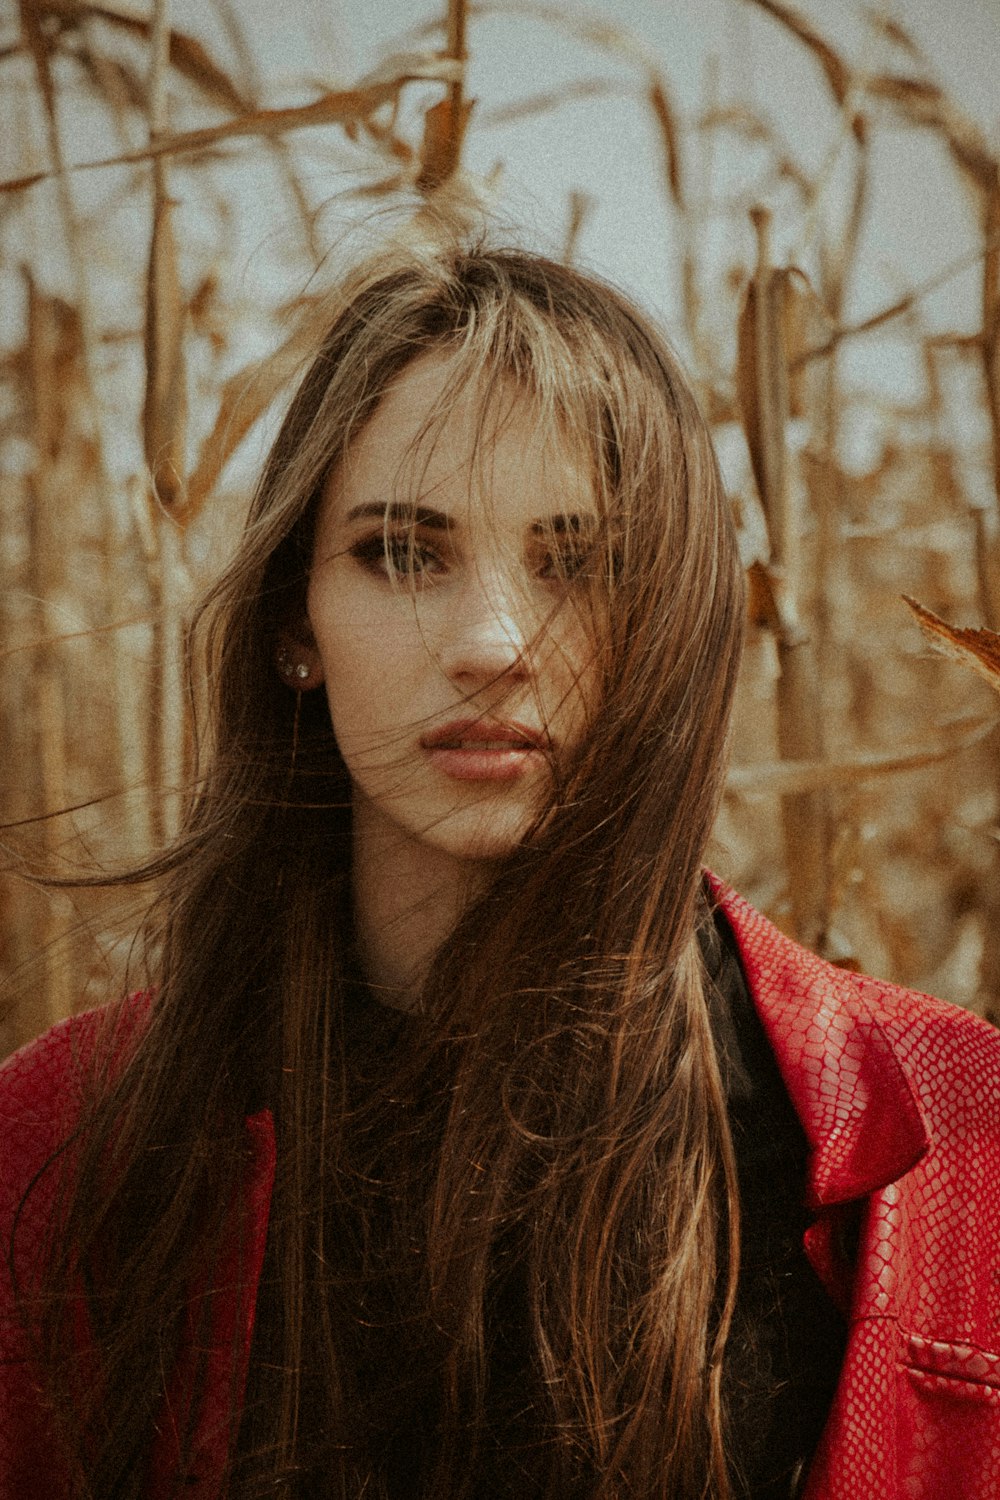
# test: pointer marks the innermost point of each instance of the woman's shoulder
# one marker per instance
(779, 967)
(43, 1087)
(49, 1071)
(842, 1035)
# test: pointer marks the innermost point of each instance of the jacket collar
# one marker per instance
(830, 1031)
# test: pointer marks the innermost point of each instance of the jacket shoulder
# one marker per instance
(927, 1034)
(43, 1087)
(41, 1091)
(951, 1055)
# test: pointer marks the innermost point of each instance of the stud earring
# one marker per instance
(290, 668)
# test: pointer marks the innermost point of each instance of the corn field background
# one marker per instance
(171, 209)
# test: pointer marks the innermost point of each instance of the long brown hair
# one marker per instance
(554, 1140)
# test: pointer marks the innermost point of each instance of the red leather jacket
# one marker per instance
(899, 1095)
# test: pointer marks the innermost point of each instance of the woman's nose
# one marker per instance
(487, 632)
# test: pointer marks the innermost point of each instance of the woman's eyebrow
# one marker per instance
(573, 522)
(401, 514)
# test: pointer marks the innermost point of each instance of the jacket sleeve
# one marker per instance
(40, 1090)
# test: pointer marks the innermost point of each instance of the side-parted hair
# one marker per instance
(549, 1141)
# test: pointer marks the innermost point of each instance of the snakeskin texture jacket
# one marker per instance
(899, 1096)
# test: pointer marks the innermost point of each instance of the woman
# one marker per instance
(468, 1143)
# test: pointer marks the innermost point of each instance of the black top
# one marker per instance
(787, 1342)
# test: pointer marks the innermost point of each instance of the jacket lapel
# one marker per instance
(829, 1032)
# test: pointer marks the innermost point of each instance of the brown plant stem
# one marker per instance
(987, 561)
(457, 19)
(164, 424)
(766, 400)
(53, 997)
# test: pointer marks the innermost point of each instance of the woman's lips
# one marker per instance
(480, 764)
(471, 750)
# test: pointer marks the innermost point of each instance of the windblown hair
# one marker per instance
(543, 1163)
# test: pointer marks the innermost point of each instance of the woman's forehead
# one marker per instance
(442, 438)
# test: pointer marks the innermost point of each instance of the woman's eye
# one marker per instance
(396, 556)
(565, 564)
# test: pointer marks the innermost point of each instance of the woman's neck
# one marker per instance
(407, 898)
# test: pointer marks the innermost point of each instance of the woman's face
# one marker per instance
(447, 604)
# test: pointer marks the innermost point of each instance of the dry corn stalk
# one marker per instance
(55, 354)
(978, 649)
(445, 122)
(165, 405)
(164, 433)
(770, 313)
(986, 547)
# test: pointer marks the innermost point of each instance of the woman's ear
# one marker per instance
(297, 657)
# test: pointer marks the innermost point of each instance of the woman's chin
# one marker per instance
(484, 839)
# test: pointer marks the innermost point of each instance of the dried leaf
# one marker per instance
(761, 387)
(39, 46)
(445, 123)
(778, 311)
(457, 20)
(246, 396)
(188, 56)
(925, 103)
(770, 604)
(441, 150)
(540, 104)
(19, 184)
(961, 343)
(665, 118)
(978, 649)
(114, 82)
(54, 369)
(803, 316)
(924, 98)
(205, 313)
(762, 599)
(885, 25)
(838, 74)
(586, 28)
(164, 412)
(402, 67)
(336, 108)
